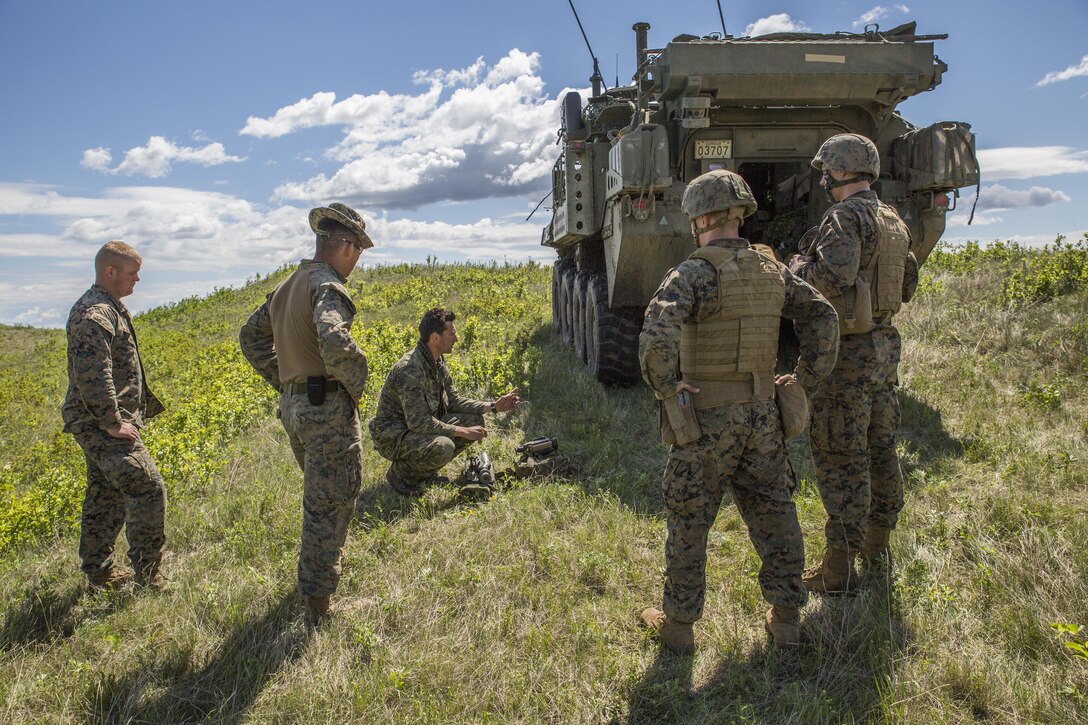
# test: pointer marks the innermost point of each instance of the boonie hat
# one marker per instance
(343, 214)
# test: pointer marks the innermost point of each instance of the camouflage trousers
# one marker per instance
(418, 456)
(741, 452)
(854, 417)
(327, 442)
(124, 487)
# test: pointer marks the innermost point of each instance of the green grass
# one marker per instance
(524, 608)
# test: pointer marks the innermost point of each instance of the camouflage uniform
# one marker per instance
(326, 439)
(856, 412)
(417, 412)
(741, 451)
(107, 387)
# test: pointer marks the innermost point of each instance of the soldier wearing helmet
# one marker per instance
(860, 259)
(300, 342)
(715, 318)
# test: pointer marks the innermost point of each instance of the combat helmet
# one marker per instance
(718, 190)
(849, 153)
(342, 214)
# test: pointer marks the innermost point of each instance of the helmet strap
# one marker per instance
(697, 230)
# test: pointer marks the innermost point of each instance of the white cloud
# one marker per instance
(1073, 71)
(778, 23)
(980, 220)
(1025, 162)
(997, 196)
(38, 317)
(878, 13)
(474, 133)
(193, 241)
(98, 159)
(154, 159)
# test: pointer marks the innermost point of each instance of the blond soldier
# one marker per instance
(860, 259)
(107, 404)
(300, 342)
(717, 315)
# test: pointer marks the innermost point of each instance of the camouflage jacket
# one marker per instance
(417, 393)
(845, 241)
(106, 381)
(690, 291)
(334, 313)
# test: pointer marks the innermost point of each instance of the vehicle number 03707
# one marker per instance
(720, 148)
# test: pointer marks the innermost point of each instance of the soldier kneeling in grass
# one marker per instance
(422, 421)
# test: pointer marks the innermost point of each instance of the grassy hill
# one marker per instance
(523, 609)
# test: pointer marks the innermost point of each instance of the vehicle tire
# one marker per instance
(611, 336)
(557, 294)
(581, 281)
(566, 311)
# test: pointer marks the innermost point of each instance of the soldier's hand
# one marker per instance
(684, 385)
(472, 433)
(507, 402)
(126, 431)
(783, 379)
(799, 260)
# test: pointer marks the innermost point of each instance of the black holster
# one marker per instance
(315, 389)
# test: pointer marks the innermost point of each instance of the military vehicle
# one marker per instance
(760, 106)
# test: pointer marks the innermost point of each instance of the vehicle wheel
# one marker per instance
(581, 281)
(566, 311)
(611, 336)
(557, 295)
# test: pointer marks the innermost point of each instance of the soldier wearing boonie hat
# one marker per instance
(300, 342)
(860, 259)
(717, 315)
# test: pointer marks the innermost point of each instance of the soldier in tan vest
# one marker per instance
(716, 318)
(860, 259)
(300, 341)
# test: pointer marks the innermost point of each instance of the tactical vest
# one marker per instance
(293, 329)
(877, 291)
(730, 353)
(893, 245)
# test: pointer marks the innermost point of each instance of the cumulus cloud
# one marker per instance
(98, 159)
(1073, 71)
(879, 13)
(155, 158)
(38, 317)
(1025, 162)
(472, 133)
(193, 241)
(778, 23)
(997, 196)
(980, 220)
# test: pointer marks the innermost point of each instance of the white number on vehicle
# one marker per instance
(719, 148)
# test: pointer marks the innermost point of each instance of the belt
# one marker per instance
(331, 386)
(712, 393)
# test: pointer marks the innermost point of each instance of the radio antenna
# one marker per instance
(722, 18)
(596, 79)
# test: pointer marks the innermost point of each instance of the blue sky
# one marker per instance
(202, 132)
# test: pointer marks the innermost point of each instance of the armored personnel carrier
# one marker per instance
(758, 106)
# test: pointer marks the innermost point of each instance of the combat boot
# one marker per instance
(784, 625)
(875, 549)
(315, 610)
(110, 579)
(401, 486)
(679, 637)
(150, 577)
(437, 479)
(835, 574)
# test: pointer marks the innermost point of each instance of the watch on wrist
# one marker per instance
(494, 407)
